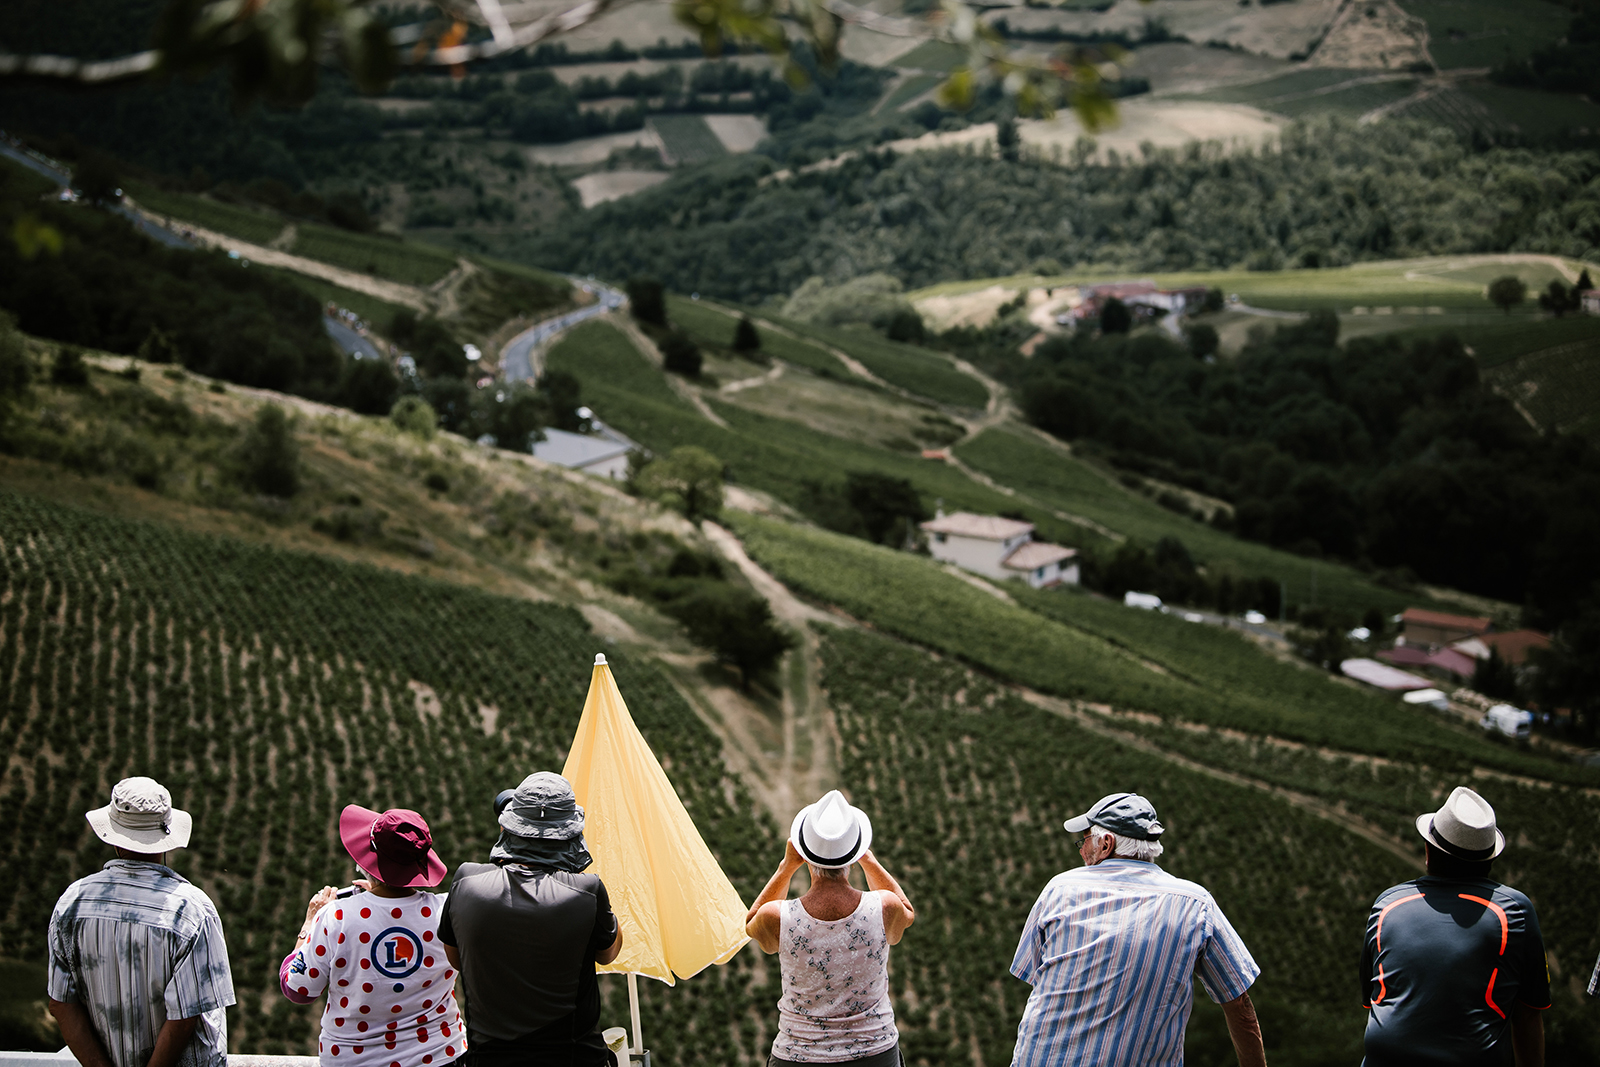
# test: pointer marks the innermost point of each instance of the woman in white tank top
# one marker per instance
(832, 943)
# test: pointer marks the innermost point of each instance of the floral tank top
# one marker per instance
(835, 1003)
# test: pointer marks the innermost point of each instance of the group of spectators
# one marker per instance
(1453, 970)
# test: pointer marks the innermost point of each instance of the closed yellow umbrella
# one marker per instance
(678, 911)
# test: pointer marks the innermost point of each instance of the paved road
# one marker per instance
(517, 357)
(348, 340)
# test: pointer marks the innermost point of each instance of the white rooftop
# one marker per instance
(580, 450)
(1382, 675)
(1036, 554)
(983, 527)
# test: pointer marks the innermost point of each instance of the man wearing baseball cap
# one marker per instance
(1111, 950)
(1454, 968)
(138, 971)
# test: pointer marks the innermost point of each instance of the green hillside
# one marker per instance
(268, 689)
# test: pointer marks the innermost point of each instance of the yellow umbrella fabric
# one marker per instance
(679, 913)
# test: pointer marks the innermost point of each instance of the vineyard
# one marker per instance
(916, 370)
(1077, 648)
(257, 227)
(710, 325)
(687, 139)
(400, 261)
(267, 689)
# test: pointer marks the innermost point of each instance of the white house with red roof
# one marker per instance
(999, 548)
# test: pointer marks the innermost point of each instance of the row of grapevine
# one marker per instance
(268, 689)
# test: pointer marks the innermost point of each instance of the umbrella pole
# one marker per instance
(633, 1009)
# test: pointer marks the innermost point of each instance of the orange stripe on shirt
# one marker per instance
(1501, 913)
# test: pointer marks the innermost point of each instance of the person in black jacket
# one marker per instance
(526, 931)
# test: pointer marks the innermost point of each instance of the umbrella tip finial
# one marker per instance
(599, 659)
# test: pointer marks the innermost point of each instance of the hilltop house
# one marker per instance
(999, 548)
(603, 451)
(1142, 297)
(1432, 629)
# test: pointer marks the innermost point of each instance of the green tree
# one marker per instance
(1115, 317)
(415, 415)
(887, 505)
(687, 479)
(269, 459)
(681, 355)
(562, 394)
(906, 325)
(1507, 292)
(68, 368)
(746, 338)
(1203, 340)
(368, 386)
(648, 301)
(1007, 139)
(1494, 677)
(737, 625)
(1567, 673)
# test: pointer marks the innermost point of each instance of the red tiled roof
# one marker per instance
(1514, 645)
(1440, 620)
(1457, 663)
(983, 527)
(1036, 554)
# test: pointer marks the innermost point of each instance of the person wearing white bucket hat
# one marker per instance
(833, 942)
(1454, 967)
(138, 969)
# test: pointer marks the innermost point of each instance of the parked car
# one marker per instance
(1508, 721)
(1145, 601)
(1254, 618)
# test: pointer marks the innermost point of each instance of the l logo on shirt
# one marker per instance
(397, 952)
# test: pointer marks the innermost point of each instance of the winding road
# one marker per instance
(518, 359)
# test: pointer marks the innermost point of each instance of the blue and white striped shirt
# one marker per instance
(1110, 951)
(136, 944)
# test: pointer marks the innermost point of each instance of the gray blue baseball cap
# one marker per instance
(1128, 814)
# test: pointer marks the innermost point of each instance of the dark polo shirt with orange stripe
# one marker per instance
(1444, 962)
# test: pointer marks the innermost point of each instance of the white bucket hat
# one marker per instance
(141, 818)
(830, 833)
(1464, 827)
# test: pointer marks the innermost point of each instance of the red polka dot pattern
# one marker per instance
(366, 913)
(340, 962)
(322, 950)
(334, 1050)
(365, 964)
(366, 987)
(365, 937)
(303, 992)
(427, 961)
(339, 914)
(313, 972)
(338, 1021)
(396, 913)
(344, 1002)
(362, 1026)
(426, 911)
(427, 935)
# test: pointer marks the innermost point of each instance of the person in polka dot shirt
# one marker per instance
(391, 991)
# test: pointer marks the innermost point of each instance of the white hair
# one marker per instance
(1131, 847)
(828, 872)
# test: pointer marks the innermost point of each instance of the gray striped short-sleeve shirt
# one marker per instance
(136, 944)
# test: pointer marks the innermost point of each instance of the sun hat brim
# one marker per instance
(862, 844)
(152, 841)
(1425, 828)
(355, 831)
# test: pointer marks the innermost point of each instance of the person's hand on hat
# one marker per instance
(792, 857)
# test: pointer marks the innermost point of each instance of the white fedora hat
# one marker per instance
(1464, 827)
(141, 818)
(831, 833)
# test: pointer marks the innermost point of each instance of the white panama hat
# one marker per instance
(1464, 827)
(141, 818)
(831, 833)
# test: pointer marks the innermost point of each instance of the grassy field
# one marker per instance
(256, 227)
(772, 454)
(267, 690)
(916, 370)
(1532, 113)
(1485, 33)
(687, 138)
(939, 57)
(400, 261)
(1437, 281)
(1504, 338)
(709, 324)
(908, 90)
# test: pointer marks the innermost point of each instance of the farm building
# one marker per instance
(603, 452)
(1438, 661)
(1382, 676)
(1589, 301)
(1142, 297)
(1430, 629)
(999, 548)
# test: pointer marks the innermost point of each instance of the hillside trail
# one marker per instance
(394, 292)
(729, 388)
(647, 348)
(807, 764)
(446, 292)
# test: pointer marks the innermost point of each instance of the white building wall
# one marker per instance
(971, 554)
(615, 468)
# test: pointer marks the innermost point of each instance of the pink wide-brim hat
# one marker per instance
(394, 846)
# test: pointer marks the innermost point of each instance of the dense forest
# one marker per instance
(1330, 193)
(1381, 450)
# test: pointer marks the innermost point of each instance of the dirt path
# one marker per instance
(446, 291)
(648, 349)
(742, 384)
(808, 763)
(393, 292)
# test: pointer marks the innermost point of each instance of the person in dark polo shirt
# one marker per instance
(1454, 969)
(526, 931)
